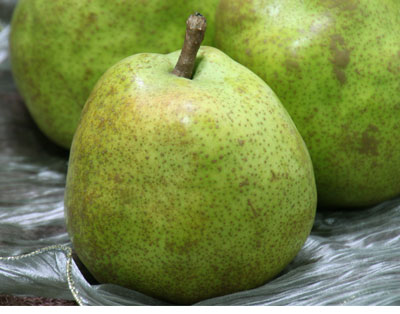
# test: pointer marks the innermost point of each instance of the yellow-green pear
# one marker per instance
(60, 48)
(335, 65)
(187, 186)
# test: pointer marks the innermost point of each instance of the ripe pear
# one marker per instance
(335, 65)
(59, 49)
(187, 187)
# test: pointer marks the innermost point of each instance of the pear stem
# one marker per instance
(195, 29)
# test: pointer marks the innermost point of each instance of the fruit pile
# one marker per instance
(195, 173)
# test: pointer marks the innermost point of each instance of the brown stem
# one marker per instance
(195, 29)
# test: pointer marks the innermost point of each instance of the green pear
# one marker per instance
(59, 49)
(187, 188)
(335, 65)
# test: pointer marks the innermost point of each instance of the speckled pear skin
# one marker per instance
(335, 65)
(187, 189)
(60, 48)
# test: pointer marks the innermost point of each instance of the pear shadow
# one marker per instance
(84, 271)
(20, 135)
(199, 59)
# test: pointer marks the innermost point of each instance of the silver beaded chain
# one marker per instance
(68, 252)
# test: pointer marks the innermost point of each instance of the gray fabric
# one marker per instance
(350, 258)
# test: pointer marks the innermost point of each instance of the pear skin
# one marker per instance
(59, 49)
(335, 65)
(187, 189)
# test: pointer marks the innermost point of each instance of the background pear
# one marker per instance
(186, 189)
(60, 48)
(335, 65)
